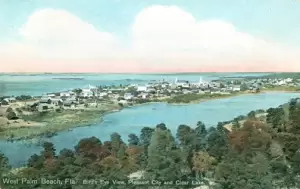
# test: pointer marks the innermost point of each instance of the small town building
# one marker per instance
(5, 102)
(69, 103)
(51, 95)
(12, 99)
(182, 83)
(44, 107)
(201, 92)
(236, 88)
(128, 96)
(57, 101)
(65, 94)
(123, 101)
(144, 95)
(103, 94)
(87, 93)
(45, 100)
(142, 88)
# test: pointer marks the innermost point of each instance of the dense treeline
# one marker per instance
(257, 154)
(187, 98)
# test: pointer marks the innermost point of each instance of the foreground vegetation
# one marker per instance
(258, 154)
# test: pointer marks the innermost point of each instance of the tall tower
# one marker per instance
(176, 80)
(200, 80)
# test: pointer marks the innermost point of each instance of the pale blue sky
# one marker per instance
(149, 35)
(277, 20)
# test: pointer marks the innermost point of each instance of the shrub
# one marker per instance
(9, 109)
(11, 115)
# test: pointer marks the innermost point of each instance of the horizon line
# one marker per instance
(146, 72)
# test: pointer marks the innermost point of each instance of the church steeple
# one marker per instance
(200, 80)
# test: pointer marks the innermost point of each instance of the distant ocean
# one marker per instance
(38, 84)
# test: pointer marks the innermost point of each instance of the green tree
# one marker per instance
(133, 139)
(121, 154)
(294, 118)
(238, 171)
(202, 163)
(244, 87)
(188, 143)
(11, 115)
(275, 117)
(201, 134)
(161, 126)
(36, 161)
(4, 166)
(201, 129)
(116, 142)
(251, 115)
(163, 157)
(77, 91)
(217, 145)
(49, 150)
(87, 144)
(145, 137)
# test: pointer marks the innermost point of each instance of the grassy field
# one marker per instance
(53, 122)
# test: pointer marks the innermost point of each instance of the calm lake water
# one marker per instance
(132, 120)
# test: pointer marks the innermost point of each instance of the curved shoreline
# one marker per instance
(99, 117)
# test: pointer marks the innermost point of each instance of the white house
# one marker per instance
(128, 96)
(103, 94)
(182, 83)
(150, 89)
(64, 94)
(142, 88)
(236, 88)
(288, 80)
(6, 101)
(57, 101)
(51, 95)
(199, 83)
(144, 95)
(201, 92)
(123, 101)
(45, 100)
(86, 93)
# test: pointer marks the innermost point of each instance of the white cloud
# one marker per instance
(172, 33)
(161, 36)
(57, 33)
